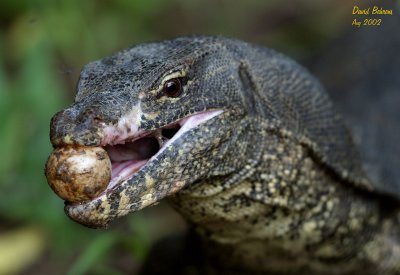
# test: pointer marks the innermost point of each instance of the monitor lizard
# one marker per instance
(246, 144)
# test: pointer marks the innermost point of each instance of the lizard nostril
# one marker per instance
(89, 117)
(98, 120)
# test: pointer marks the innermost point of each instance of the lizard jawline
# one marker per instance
(132, 154)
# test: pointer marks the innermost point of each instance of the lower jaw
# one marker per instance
(124, 170)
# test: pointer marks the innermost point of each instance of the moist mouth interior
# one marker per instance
(128, 158)
(168, 133)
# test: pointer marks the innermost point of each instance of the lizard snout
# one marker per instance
(70, 126)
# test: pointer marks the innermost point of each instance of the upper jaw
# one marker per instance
(124, 185)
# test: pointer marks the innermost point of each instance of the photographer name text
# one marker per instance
(376, 11)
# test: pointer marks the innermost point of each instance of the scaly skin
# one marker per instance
(272, 182)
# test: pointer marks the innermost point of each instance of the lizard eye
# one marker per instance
(173, 87)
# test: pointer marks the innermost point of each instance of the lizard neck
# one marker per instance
(290, 213)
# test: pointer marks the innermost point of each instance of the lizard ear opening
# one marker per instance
(250, 91)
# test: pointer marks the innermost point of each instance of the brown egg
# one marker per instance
(78, 173)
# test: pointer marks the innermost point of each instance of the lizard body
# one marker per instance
(260, 164)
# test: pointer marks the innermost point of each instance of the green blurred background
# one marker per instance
(43, 46)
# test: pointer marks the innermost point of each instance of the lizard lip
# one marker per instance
(132, 152)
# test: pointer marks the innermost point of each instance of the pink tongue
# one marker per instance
(124, 170)
(132, 166)
(118, 167)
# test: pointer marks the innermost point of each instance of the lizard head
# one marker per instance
(158, 110)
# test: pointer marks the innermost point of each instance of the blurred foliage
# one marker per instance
(43, 45)
(19, 248)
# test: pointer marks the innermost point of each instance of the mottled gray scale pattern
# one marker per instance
(289, 92)
(273, 184)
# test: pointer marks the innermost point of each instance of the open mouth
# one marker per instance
(136, 151)
(131, 153)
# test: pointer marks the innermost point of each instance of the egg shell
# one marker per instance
(78, 174)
